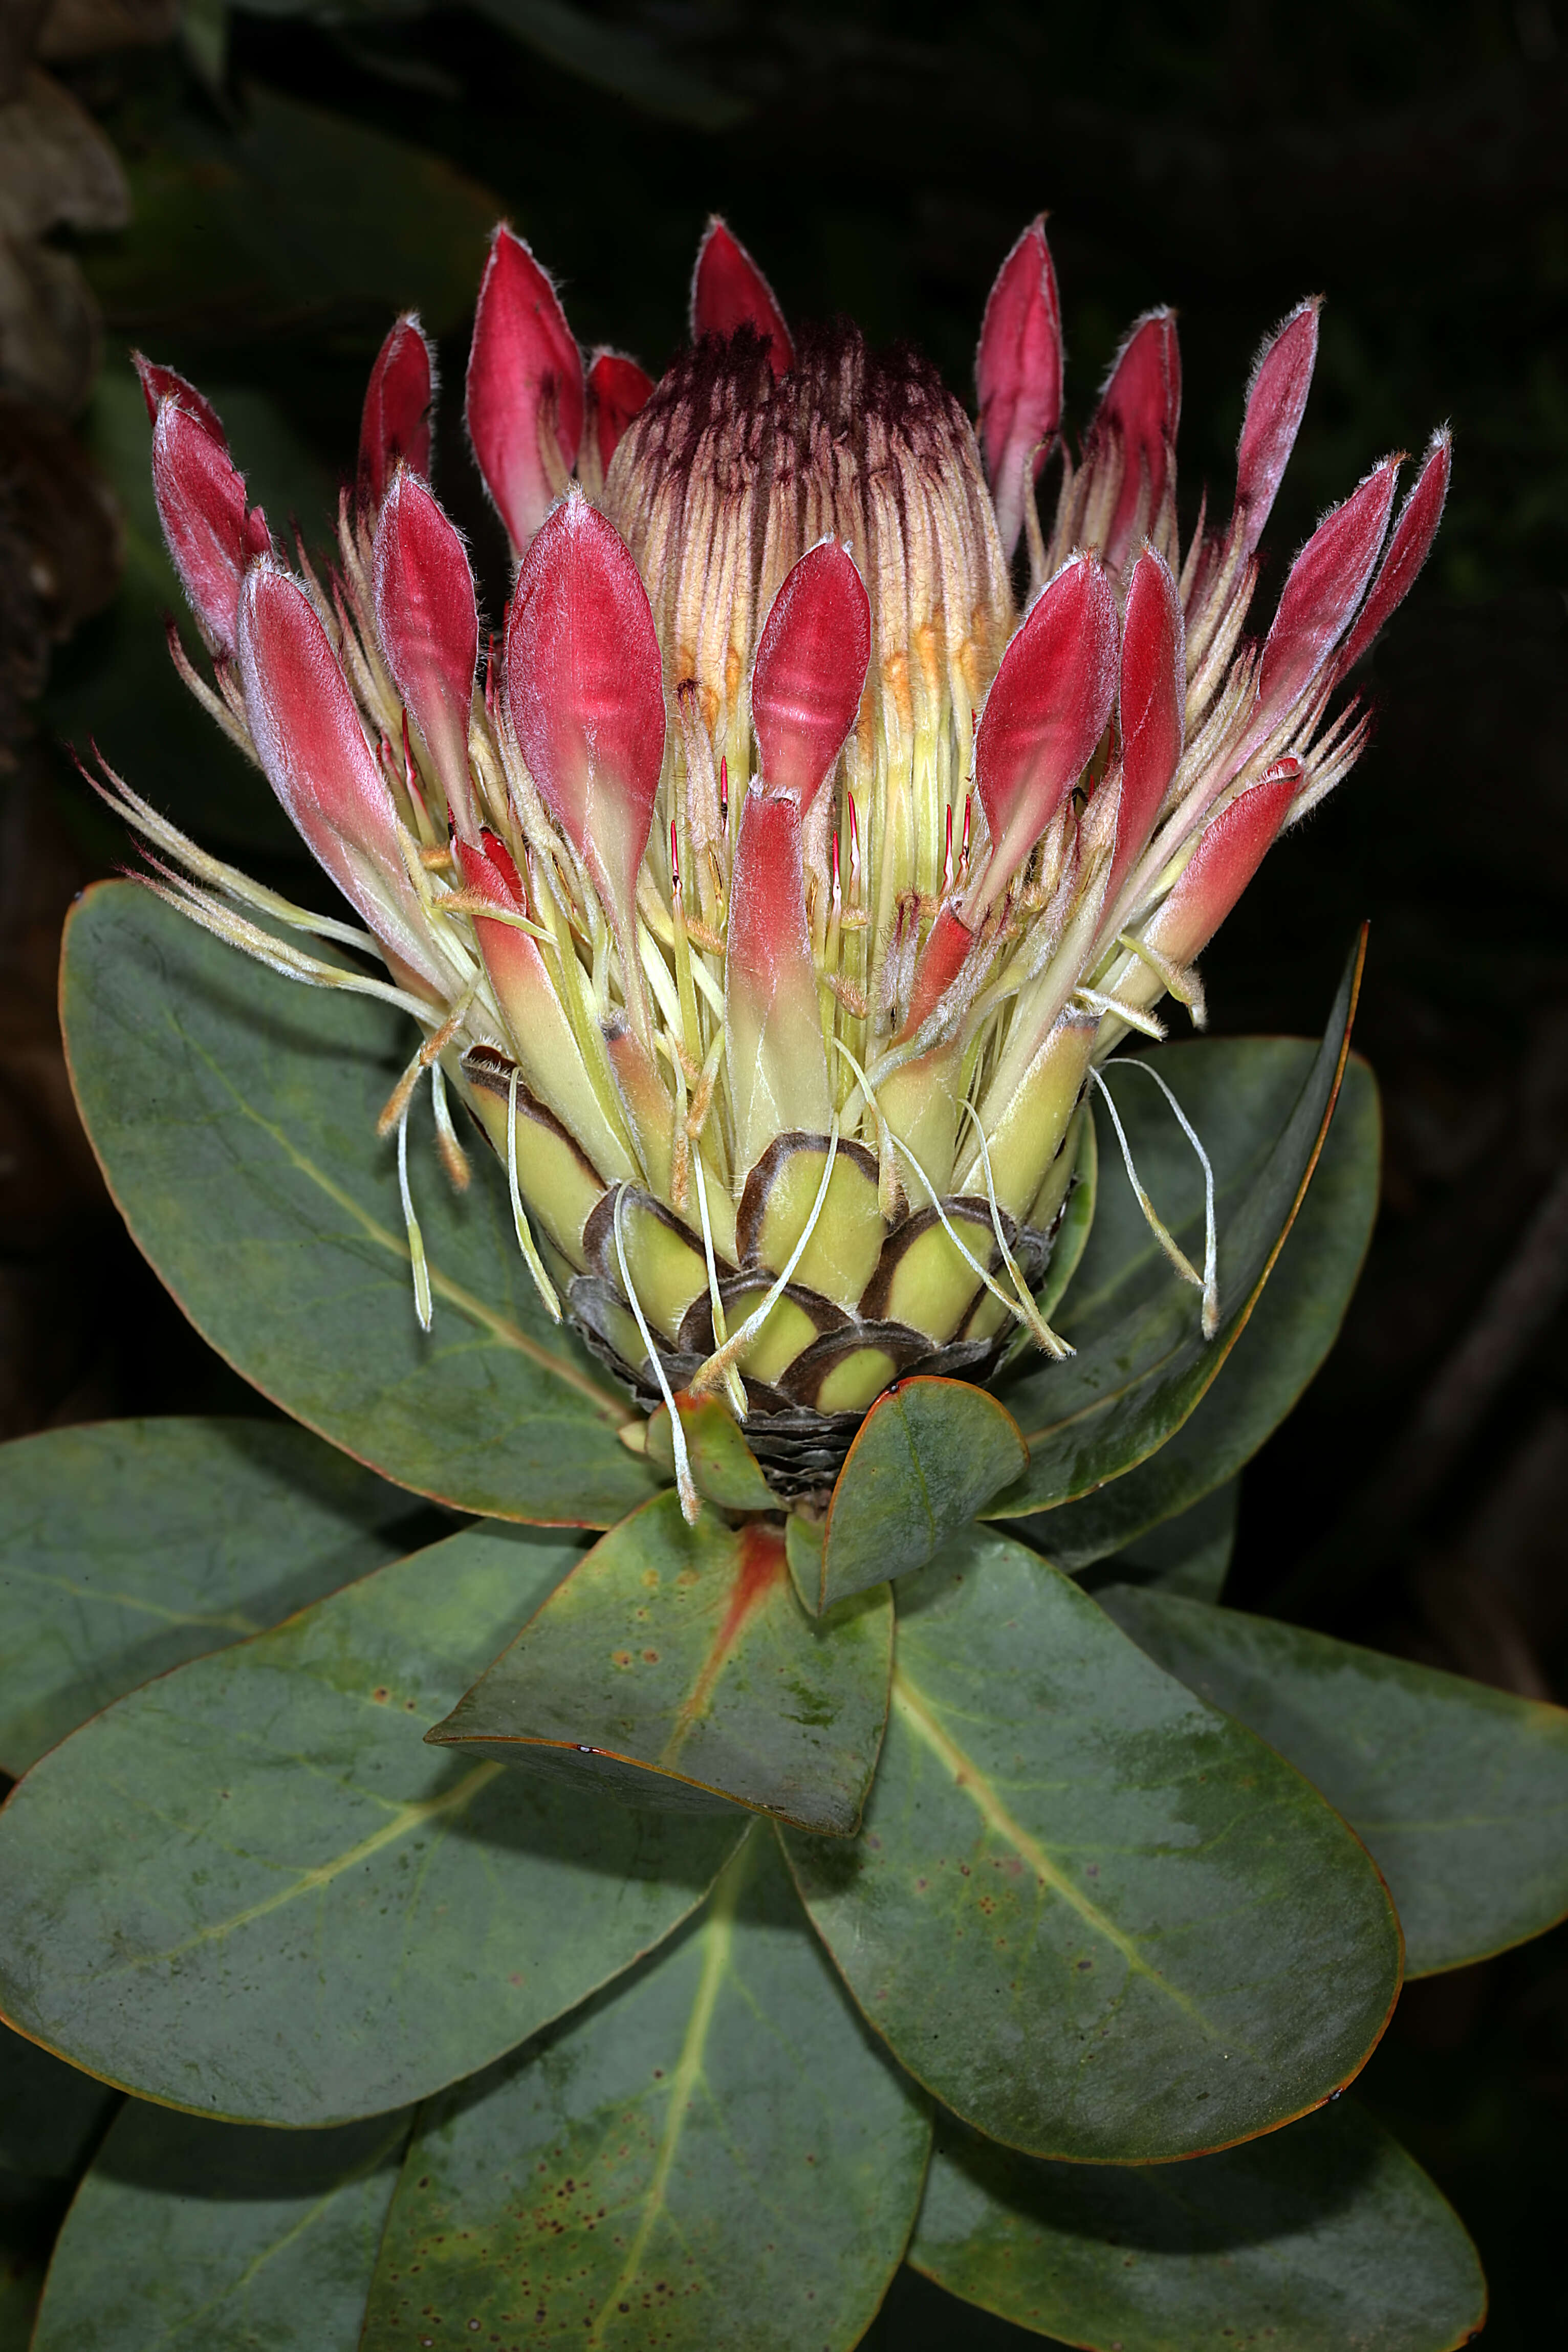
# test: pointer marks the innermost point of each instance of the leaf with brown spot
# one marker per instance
(714, 2157)
(677, 1664)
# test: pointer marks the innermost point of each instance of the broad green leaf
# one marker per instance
(129, 1546)
(50, 2114)
(713, 2156)
(234, 1114)
(1315, 2238)
(114, 684)
(1261, 1108)
(723, 1467)
(1461, 1791)
(250, 1890)
(193, 2236)
(1097, 1919)
(1291, 1330)
(676, 1665)
(246, 225)
(925, 1458)
(1189, 1554)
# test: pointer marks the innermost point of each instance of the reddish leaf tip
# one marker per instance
(729, 291)
(584, 688)
(1409, 544)
(160, 383)
(429, 622)
(1325, 586)
(395, 420)
(1046, 711)
(1277, 393)
(524, 389)
(810, 671)
(210, 533)
(1230, 850)
(1018, 373)
(1139, 411)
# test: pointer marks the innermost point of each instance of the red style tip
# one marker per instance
(1141, 409)
(1327, 582)
(1043, 717)
(1276, 401)
(585, 691)
(810, 672)
(728, 291)
(617, 390)
(1018, 374)
(429, 626)
(1152, 699)
(160, 384)
(526, 395)
(210, 533)
(1409, 545)
(395, 424)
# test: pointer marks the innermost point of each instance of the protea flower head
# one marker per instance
(771, 891)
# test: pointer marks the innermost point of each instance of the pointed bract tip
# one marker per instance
(1276, 401)
(729, 291)
(160, 384)
(1018, 375)
(304, 720)
(810, 671)
(427, 619)
(584, 688)
(1324, 589)
(1139, 411)
(1046, 711)
(1230, 850)
(211, 534)
(524, 392)
(395, 420)
(1409, 544)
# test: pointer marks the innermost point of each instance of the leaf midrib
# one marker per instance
(919, 1717)
(402, 1822)
(718, 1936)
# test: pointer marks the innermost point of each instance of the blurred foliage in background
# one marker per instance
(296, 171)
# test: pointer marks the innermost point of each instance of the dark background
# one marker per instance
(300, 172)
